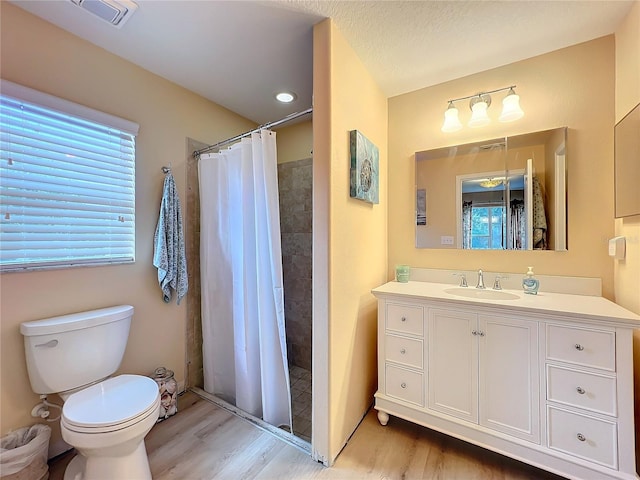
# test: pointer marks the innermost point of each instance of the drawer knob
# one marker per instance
(403, 385)
(403, 319)
(581, 437)
(579, 347)
(403, 351)
(479, 333)
(580, 390)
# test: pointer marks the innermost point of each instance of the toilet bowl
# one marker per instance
(107, 423)
(105, 418)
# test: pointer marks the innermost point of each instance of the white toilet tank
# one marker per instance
(74, 350)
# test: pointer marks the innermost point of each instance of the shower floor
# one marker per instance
(301, 401)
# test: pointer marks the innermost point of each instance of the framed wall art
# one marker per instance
(364, 168)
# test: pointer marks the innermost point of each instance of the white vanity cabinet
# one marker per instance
(469, 378)
(553, 388)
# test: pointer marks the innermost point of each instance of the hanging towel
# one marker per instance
(539, 218)
(168, 244)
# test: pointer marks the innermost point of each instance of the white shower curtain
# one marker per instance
(244, 342)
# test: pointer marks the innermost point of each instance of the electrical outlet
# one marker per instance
(446, 240)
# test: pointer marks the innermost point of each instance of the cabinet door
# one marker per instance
(453, 363)
(509, 376)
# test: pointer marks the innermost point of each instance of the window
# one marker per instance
(67, 183)
(487, 227)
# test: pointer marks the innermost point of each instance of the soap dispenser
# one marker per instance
(530, 283)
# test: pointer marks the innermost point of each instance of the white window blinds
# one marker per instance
(67, 183)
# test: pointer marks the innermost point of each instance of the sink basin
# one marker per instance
(479, 293)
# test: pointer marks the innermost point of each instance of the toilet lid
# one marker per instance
(112, 402)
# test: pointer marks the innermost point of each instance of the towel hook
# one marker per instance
(166, 169)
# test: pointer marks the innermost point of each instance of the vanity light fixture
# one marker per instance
(479, 105)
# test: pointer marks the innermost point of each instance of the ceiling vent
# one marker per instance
(114, 12)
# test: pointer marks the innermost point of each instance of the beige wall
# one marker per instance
(41, 56)
(627, 271)
(354, 257)
(572, 87)
(295, 142)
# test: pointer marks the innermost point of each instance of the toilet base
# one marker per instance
(134, 466)
(75, 469)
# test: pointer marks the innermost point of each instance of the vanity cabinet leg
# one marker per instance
(383, 417)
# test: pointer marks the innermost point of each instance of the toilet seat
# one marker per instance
(111, 405)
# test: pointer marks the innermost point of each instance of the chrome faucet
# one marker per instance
(497, 284)
(463, 279)
(480, 280)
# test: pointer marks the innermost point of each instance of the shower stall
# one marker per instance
(292, 376)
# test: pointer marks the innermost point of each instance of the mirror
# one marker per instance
(627, 164)
(507, 193)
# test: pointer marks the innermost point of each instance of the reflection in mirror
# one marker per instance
(501, 194)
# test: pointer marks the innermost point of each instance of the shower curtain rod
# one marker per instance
(288, 118)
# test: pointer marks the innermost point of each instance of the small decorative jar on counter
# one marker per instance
(168, 388)
(402, 273)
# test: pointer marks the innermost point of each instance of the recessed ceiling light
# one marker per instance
(285, 97)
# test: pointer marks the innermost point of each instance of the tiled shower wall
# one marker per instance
(191, 217)
(295, 186)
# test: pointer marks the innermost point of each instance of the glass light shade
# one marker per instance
(479, 115)
(511, 108)
(451, 120)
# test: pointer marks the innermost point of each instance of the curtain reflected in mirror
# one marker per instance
(500, 194)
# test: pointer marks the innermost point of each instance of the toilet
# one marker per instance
(105, 418)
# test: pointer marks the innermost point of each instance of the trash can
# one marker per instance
(168, 388)
(23, 453)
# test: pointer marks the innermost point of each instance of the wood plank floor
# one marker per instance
(205, 442)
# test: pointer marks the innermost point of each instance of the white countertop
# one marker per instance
(580, 306)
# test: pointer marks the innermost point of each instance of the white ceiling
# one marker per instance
(240, 53)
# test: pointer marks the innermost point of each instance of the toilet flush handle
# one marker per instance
(49, 344)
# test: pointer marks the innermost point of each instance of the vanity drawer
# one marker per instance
(405, 319)
(582, 346)
(407, 351)
(586, 437)
(581, 389)
(404, 384)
